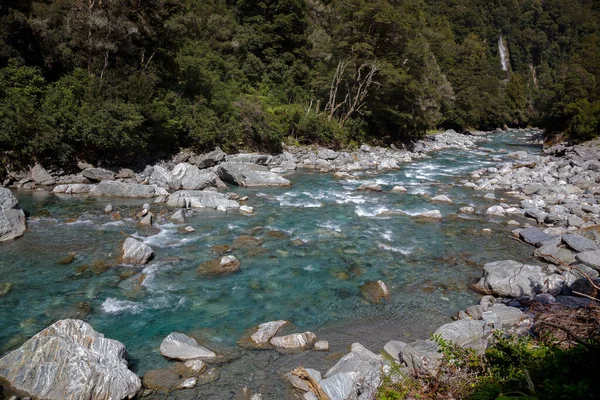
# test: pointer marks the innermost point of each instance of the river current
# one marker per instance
(318, 242)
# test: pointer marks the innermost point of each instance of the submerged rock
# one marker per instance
(69, 360)
(369, 187)
(249, 175)
(182, 347)
(135, 252)
(220, 266)
(375, 292)
(12, 218)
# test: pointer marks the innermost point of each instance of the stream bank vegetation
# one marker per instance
(117, 81)
(558, 359)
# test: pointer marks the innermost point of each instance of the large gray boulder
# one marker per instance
(135, 252)
(355, 377)
(201, 199)
(12, 218)
(249, 175)
(192, 178)
(69, 360)
(513, 279)
(182, 347)
(463, 331)
(41, 176)
(161, 177)
(98, 174)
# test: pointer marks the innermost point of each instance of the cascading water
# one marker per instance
(503, 54)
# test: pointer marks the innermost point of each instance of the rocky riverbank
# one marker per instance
(510, 286)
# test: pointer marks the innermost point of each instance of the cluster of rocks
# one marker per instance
(558, 190)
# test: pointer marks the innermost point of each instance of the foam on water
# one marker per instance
(370, 211)
(114, 306)
(400, 250)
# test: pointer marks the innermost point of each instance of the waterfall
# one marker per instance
(503, 54)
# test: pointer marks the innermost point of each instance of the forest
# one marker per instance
(115, 82)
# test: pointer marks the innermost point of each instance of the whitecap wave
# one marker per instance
(114, 306)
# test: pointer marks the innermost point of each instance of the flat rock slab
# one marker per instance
(579, 243)
(220, 266)
(590, 258)
(69, 360)
(182, 347)
(555, 255)
(534, 236)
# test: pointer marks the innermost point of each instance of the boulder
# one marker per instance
(201, 199)
(590, 258)
(135, 252)
(463, 331)
(12, 218)
(182, 347)
(466, 210)
(209, 159)
(262, 335)
(294, 342)
(399, 189)
(161, 177)
(579, 243)
(355, 376)
(375, 292)
(122, 189)
(507, 316)
(441, 199)
(369, 187)
(41, 176)
(178, 217)
(220, 266)
(513, 279)
(249, 175)
(250, 158)
(192, 178)
(423, 355)
(327, 154)
(98, 174)
(69, 360)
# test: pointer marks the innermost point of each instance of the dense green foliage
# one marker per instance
(110, 80)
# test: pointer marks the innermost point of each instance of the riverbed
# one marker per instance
(314, 244)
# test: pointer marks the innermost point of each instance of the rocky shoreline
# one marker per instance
(557, 190)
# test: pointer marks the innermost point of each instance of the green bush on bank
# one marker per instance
(524, 368)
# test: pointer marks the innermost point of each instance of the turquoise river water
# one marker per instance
(321, 240)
